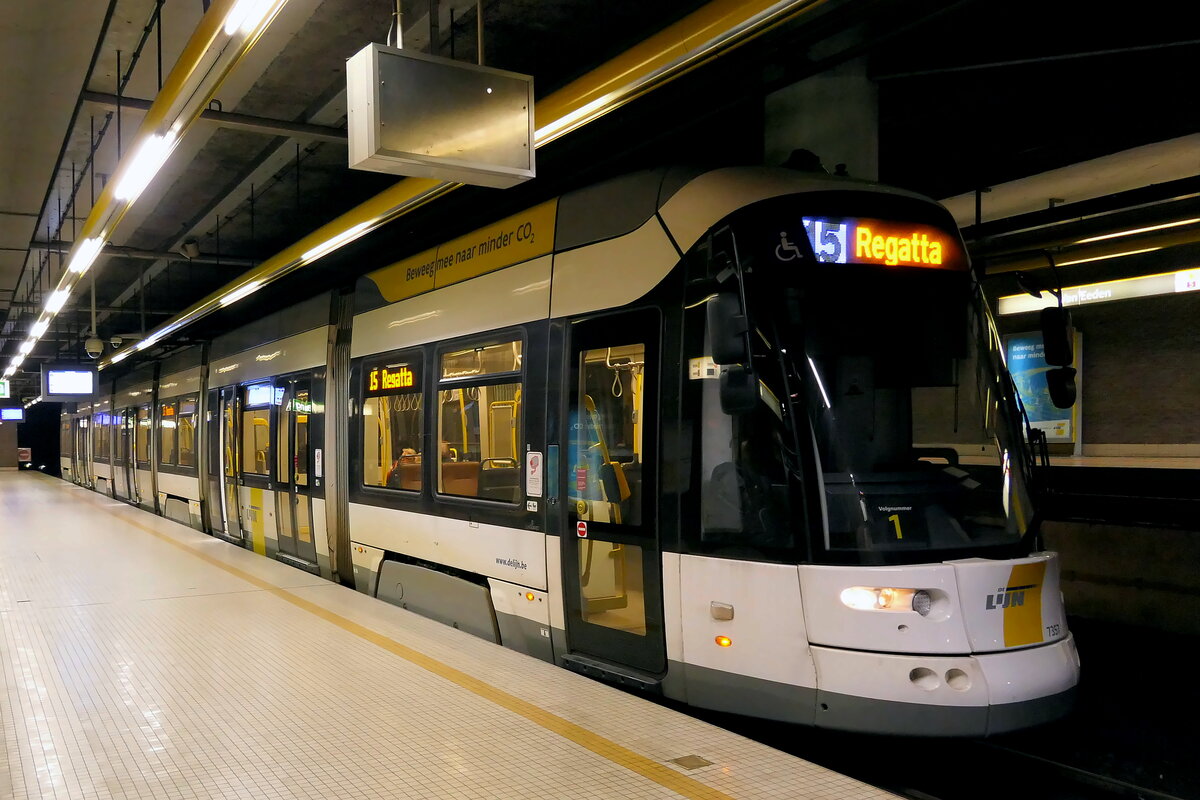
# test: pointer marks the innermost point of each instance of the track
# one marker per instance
(939, 769)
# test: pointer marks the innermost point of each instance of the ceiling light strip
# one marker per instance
(208, 58)
(1136, 231)
(706, 33)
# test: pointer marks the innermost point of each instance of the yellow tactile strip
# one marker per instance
(652, 770)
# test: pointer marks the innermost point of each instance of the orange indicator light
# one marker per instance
(724, 641)
(529, 596)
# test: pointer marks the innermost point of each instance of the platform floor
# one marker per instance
(142, 659)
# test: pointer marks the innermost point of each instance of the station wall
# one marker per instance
(1141, 375)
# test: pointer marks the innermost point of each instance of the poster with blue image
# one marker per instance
(1025, 355)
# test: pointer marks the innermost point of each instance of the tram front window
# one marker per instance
(916, 444)
(883, 422)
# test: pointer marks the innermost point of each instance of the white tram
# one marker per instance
(742, 437)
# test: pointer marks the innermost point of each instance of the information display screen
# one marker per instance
(12, 414)
(259, 395)
(856, 240)
(68, 381)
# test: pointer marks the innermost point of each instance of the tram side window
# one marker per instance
(168, 443)
(100, 437)
(64, 437)
(143, 435)
(606, 444)
(479, 422)
(186, 432)
(256, 431)
(393, 424)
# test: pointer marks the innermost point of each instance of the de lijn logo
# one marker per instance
(1009, 596)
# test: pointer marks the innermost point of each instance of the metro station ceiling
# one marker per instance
(971, 95)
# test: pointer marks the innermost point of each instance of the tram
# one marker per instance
(742, 437)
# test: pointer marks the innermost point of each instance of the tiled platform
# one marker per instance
(141, 659)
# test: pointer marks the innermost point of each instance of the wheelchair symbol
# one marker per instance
(786, 246)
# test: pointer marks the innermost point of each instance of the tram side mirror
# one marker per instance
(1061, 383)
(739, 390)
(727, 329)
(1058, 336)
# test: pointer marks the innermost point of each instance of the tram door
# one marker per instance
(294, 472)
(124, 484)
(81, 452)
(223, 464)
(612, 572)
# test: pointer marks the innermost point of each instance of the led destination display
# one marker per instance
(390, 378)
(873, 241)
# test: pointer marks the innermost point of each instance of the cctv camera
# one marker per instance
(94, 347)
(115, 342)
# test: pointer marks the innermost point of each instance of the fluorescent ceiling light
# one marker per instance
(329, 245)
(8, 372)
(1135, 231)
(16, 363)
(1110, 255)
(143, 166)
(26, 347)
(86, 254)
(150, 342)
(39, 328)
(239, 293)
(248, 15)
(121, 356)
(57, 300)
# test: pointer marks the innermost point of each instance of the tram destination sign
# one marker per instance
(69, 382)
(392, 379)
(890, 243)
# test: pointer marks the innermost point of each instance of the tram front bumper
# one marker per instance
(917, 695)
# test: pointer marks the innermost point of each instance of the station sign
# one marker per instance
(12, 414)
(4, 389)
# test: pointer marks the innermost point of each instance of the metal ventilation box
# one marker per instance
(414, 114)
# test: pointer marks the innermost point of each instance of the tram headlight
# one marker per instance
(886, 598)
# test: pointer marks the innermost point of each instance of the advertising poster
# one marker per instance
(1025, 353)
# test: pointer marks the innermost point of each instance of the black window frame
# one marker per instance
(433, 411)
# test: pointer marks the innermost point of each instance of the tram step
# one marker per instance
(298, 563)
(612, 673)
